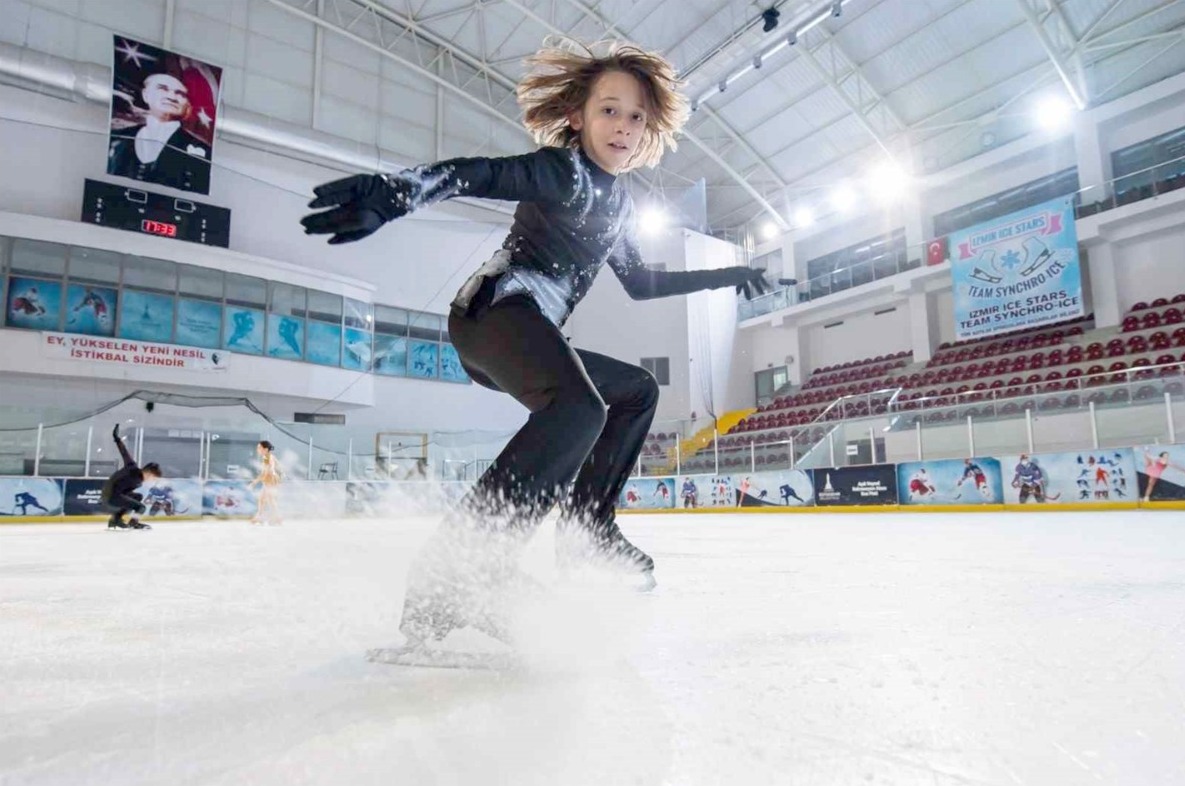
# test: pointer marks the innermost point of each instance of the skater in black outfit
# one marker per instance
(119, 492)
(596, 117)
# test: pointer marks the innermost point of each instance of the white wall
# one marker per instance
(860, 336)
(718, 350)
(609, 322)
(1151, 266)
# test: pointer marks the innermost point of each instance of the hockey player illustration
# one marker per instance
(1030, 480)
(24, 500)
(287, 330)
(28, 303)
(690, 494)
(161, 500)
(787, 492)
(920, 485)
(662, 491)
(94, 301)
(974, 473)
(244, 327)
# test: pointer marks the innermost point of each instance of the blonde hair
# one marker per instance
(560, 79)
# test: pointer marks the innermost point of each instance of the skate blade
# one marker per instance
(424, 657)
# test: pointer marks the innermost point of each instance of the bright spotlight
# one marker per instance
(842, 198)
(887, 181)
(1053, 113)
(769, 230)
(652, 220)
(804, 217)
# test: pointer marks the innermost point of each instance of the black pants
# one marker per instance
(122, 504)
(589, 417)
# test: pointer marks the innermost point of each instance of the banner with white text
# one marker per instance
(1018, 271)
(126, 352)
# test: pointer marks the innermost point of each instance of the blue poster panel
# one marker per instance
(90, 310)
(358, 350)
(647, 493)
(198, 323)
(451, 369)
(390, 356)
(242, 330)
(1161, 470)
(146, 316)
(324, 344)
(972, 481)
(34, 304)
(82, 497)
(787, 488)
(285, 337)
(875, 484)
(173, 497)
(1091, 476)
(1018, 271)
(30, 497)
(423, 359)
(227, 498)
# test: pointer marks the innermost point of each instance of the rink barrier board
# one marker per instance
(1016, 508)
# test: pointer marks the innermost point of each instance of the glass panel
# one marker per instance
(325, 343)
(392, 321)
(285, 337)
(90, 310)
(246, 291)
(325, 307)
(358, 352)
(425, 326)
(286, 299)
(450, 365)
(146, 316)
(242, 329)
(37, 258)
(199, 282)
(390, 355)
(359, 314)
(151, 275)
(33, 304)
(94, 266)
(424, 356)
(199, 323)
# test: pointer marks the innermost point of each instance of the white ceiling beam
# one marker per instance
(1058, 52)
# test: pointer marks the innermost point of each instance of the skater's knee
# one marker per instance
(647, 390)
(587, 414)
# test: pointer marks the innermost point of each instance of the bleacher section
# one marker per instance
(1057, 364)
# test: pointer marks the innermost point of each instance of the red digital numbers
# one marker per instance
(158, 228)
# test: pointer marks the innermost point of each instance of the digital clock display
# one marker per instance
(158, 228)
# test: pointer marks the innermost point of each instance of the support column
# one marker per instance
(923, 332)
(1094, 164)
(796, 344)
(1104, 289)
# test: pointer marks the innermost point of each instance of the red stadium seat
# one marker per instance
(1160, 302)
(1140, 306)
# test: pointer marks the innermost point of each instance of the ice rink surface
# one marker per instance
(778, 649)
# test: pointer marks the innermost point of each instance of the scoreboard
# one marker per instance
(137, 210)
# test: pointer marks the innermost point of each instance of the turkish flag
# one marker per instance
(937, 250)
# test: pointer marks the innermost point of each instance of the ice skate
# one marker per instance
(135, 523)
(116, 523)
(606, 547)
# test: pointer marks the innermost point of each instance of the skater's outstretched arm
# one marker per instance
(360, 204)
(123, 451)
(643, 283)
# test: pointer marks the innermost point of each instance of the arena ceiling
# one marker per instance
(923, 83)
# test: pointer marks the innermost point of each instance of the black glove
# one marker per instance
(360, 205)
(749, 281)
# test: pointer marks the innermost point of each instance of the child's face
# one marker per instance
(612, 121)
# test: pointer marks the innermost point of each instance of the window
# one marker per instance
(390, 341)
(148, 302)
(425, 326)
(869, 260)
(243, 317)
(34, 258)
(1032, 193)
(1148, 162)
(769, 381)
(660, 368)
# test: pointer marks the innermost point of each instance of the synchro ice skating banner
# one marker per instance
(1018, 271)
(1161, 471)
(973, 481)
(1089, 476)
(870, 485)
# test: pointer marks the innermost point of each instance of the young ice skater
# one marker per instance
(119, 493)
(597, 116)
(267, 510)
